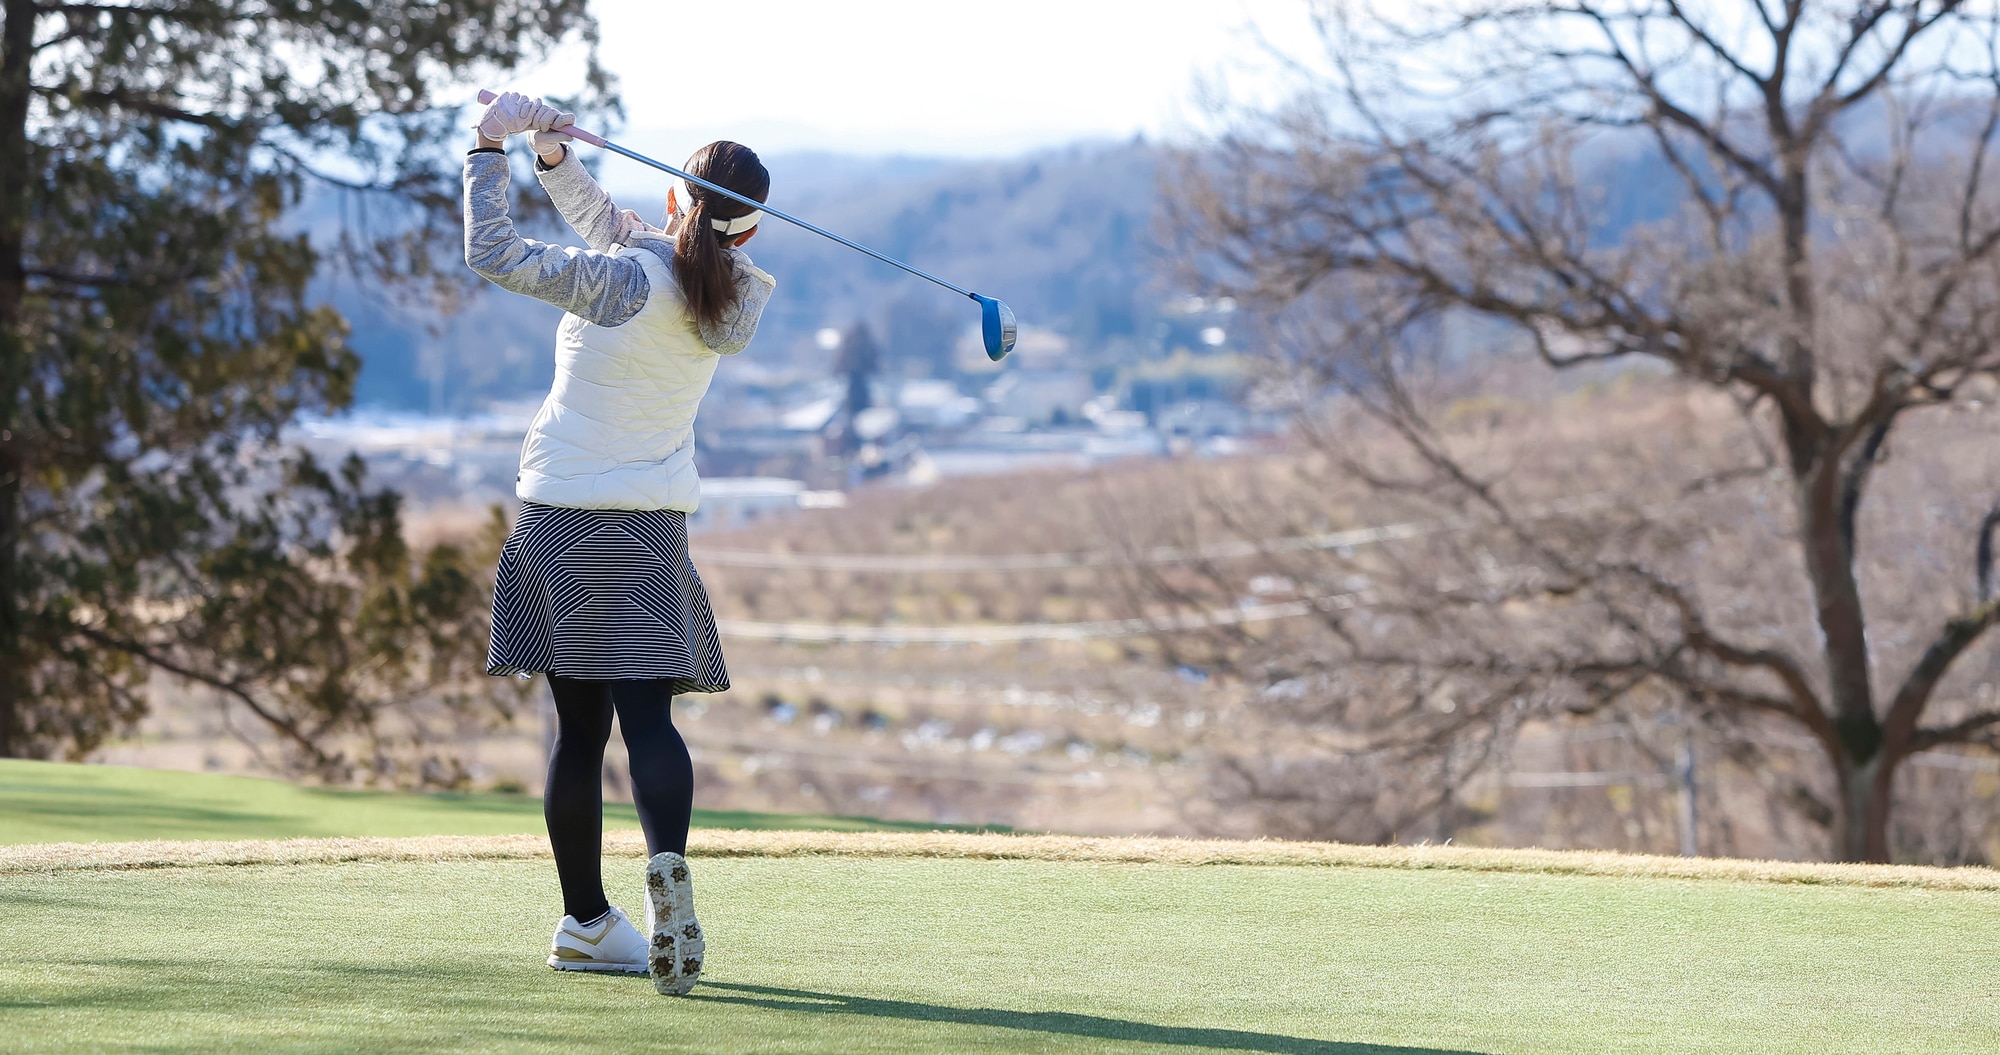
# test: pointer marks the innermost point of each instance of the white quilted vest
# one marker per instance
(617, 431)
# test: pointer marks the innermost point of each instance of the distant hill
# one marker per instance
(1063, 236)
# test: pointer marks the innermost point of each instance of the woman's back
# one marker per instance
(617, 428)
(633, 357)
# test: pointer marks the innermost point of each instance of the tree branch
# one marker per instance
(1804, 702)
(1830, 102)
(1965, 730)
(140, 104)
(1857, 475)
(1687, 22)
(1982, 558)
(72, 278)
(320, 758)
(1755, 168)
(1899, 727)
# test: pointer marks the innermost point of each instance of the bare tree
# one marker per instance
(1786, 203)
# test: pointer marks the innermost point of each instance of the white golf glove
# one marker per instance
(505, 116)
(513, 113)
(546, 140)
(629, 222)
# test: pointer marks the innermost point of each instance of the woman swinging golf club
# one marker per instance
(595, 588)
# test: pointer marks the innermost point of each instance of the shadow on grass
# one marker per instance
(152, 985)
(92, 810)
(1063, 1022)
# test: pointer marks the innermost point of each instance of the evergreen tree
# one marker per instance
(860, 360)
(156, 337)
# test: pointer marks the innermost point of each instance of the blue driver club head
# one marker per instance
(997, 324)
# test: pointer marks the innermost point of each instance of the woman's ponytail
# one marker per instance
(702, 263)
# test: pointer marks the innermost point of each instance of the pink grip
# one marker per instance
(487, 95)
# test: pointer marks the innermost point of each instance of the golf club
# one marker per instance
(995, 317)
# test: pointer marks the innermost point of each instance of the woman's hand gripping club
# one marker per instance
(512, 113)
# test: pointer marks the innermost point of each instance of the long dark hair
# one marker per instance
(702, 265)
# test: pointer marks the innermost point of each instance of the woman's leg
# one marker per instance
(662, 772)
(573, 799)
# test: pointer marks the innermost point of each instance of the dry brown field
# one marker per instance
(1098, 734)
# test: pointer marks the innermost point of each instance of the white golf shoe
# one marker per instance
(677, 946)
(612, 945)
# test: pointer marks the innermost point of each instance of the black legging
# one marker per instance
(573, 800)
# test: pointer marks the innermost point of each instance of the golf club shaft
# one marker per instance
(787, 217)
(599, 141)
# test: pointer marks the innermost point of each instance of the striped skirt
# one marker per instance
(603, 593)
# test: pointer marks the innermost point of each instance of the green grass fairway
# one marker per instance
(43, 802)
(853, 955)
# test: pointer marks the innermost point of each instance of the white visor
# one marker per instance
(736, 226)
(740, 224)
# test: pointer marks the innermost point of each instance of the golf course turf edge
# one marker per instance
(59, 857)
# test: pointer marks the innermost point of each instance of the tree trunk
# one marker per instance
(1826, 538)
(1861, 828)
(1829, 556)
(1859, 761)
(1795, 228)
(1862, 824)
(17, 47)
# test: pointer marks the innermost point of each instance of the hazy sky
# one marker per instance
(932, 77)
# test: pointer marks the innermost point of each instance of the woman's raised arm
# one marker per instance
(596, 286)
(588, 208)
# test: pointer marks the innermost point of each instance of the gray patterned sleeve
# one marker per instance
(586, 205)
(595, 286)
